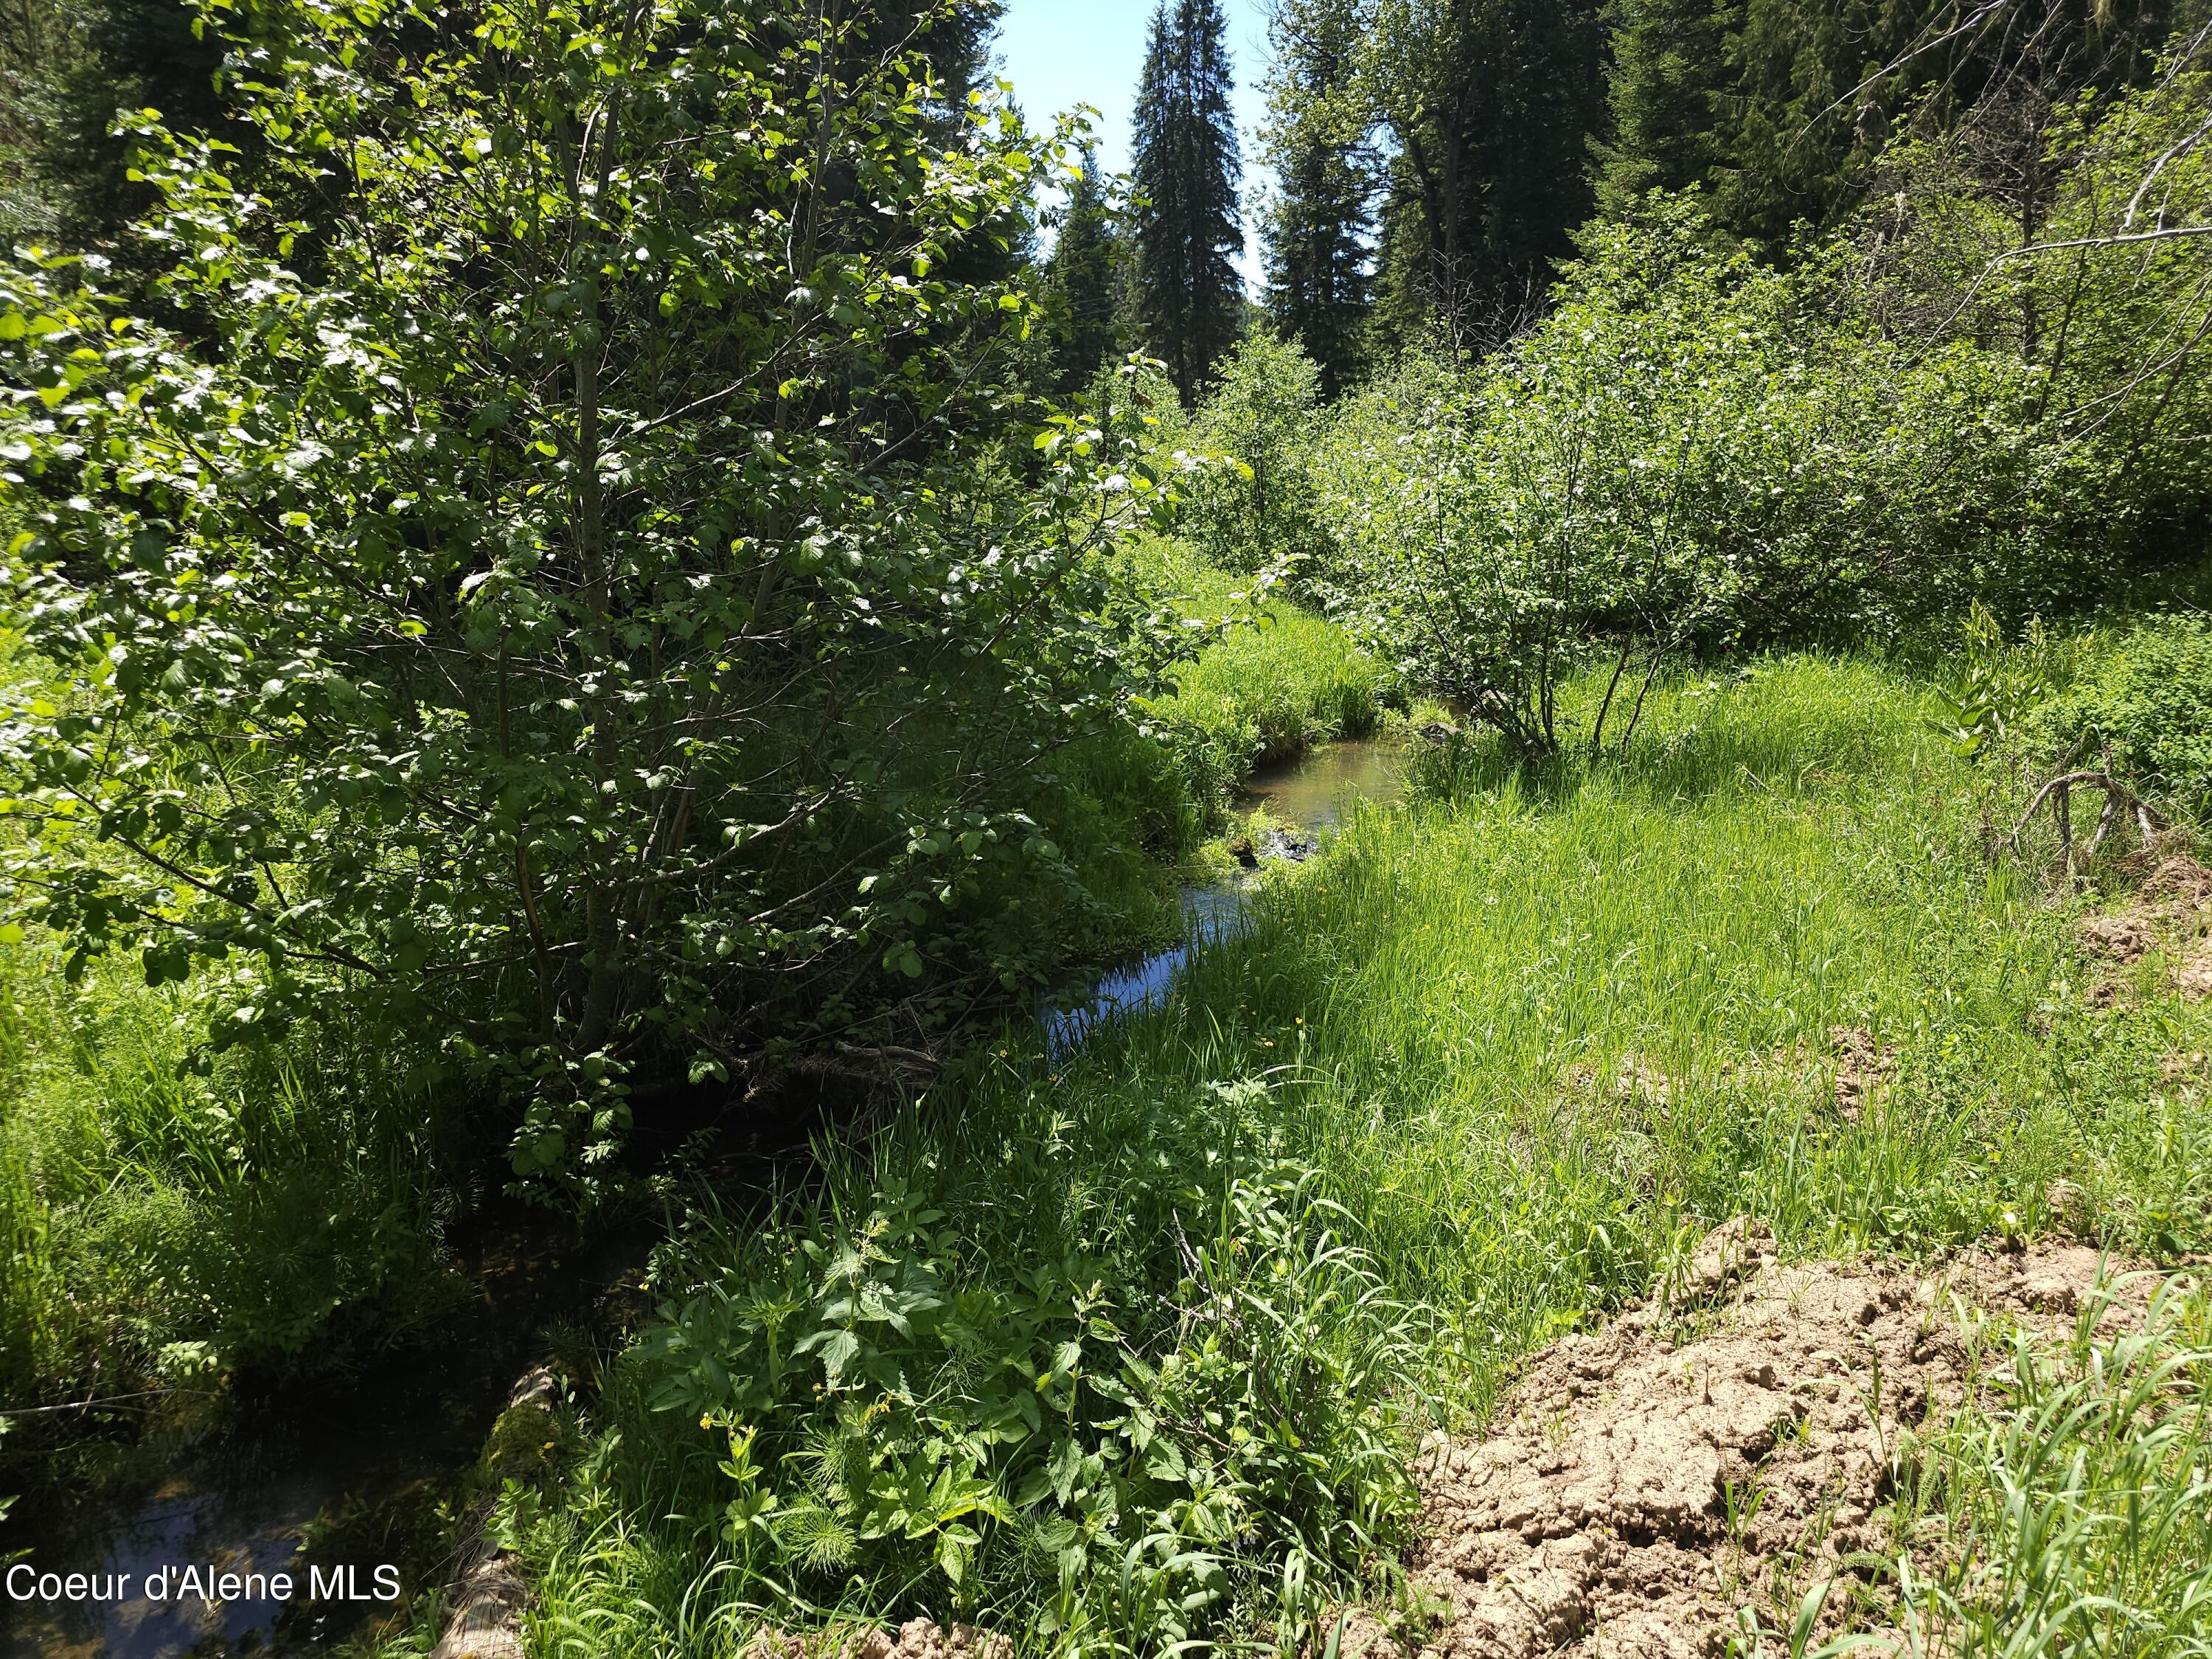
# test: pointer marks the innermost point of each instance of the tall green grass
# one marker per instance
(2072, 1492)
(1274, 681)
(168, 1214)
(1524, 1038)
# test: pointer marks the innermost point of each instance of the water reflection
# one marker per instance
(1310, 797)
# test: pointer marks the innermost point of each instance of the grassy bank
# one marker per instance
(168, 1213)
(1471, 1077)
(1275, 680)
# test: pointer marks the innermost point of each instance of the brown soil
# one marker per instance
(2180, 881)
(2120, 938)
(1863, 1069)
(918, 1638)
(1638, 1488)
(2172, 908)
(2193, 978)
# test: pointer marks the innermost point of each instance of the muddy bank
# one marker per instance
(1645, 1480)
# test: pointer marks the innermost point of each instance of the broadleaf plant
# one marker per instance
(586, 592)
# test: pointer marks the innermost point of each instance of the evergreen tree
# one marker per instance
(1492, 104)
(1663, 95)
(1079, 280)
(1783, 108)
(1187, 171)
(1320, 224)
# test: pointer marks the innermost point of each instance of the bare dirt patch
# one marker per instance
(918, 1638)
(2119, 939)
(2171, 909)
(1639, 1488)
(1864, 1070)
(2179, 881)
(2193, 978)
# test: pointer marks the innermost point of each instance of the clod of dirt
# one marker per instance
(2180, 880)
(1638, 1494)
(2182, 1067)
(2117, 939)
(1732, 1251)
(2193, 979)
(1638, 1079)
(918, 1638)
(1861, 1067)
(2068, 1203)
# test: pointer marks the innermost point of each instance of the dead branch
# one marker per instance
(2122, 804)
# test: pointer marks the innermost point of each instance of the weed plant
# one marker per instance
(1468, 1079)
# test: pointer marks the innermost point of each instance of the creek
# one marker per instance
(354, 1474)
(1304, 802)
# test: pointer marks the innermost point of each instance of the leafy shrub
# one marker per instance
(1135, 1439)
(2147, 704)
(1690, 453)
(475, 631)
(1265, 415)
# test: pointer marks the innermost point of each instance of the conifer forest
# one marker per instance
(796, 865)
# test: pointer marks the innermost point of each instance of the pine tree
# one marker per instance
(1782, 109)
(1319, 225)
(1187, 170)
(1079, 280)
(1663, 95)
(1492, 104)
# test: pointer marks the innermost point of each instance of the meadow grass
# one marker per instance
(168, 1215)
(1522, 1041)
(1275, 680)
(2071, 1489)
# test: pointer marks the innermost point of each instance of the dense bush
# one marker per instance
(2082, 264)
(2145, 704)
(1692, 450)
(1683, 456)
(1257, 512)
(596, 623)
(1163, 1393)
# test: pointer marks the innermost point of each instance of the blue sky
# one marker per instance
(1059, 53)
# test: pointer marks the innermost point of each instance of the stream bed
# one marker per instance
(1302, 802)
(351, 1474)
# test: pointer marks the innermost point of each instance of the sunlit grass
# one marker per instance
(1534, 1031)
(1274, 680)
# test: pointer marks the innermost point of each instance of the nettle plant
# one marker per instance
(592, 597)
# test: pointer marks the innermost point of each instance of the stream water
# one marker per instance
(1304, 802)
(344, 1473)
(351, 1475)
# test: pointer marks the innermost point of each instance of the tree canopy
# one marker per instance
(1186, 169)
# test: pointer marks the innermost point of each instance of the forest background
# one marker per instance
(579, 581)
